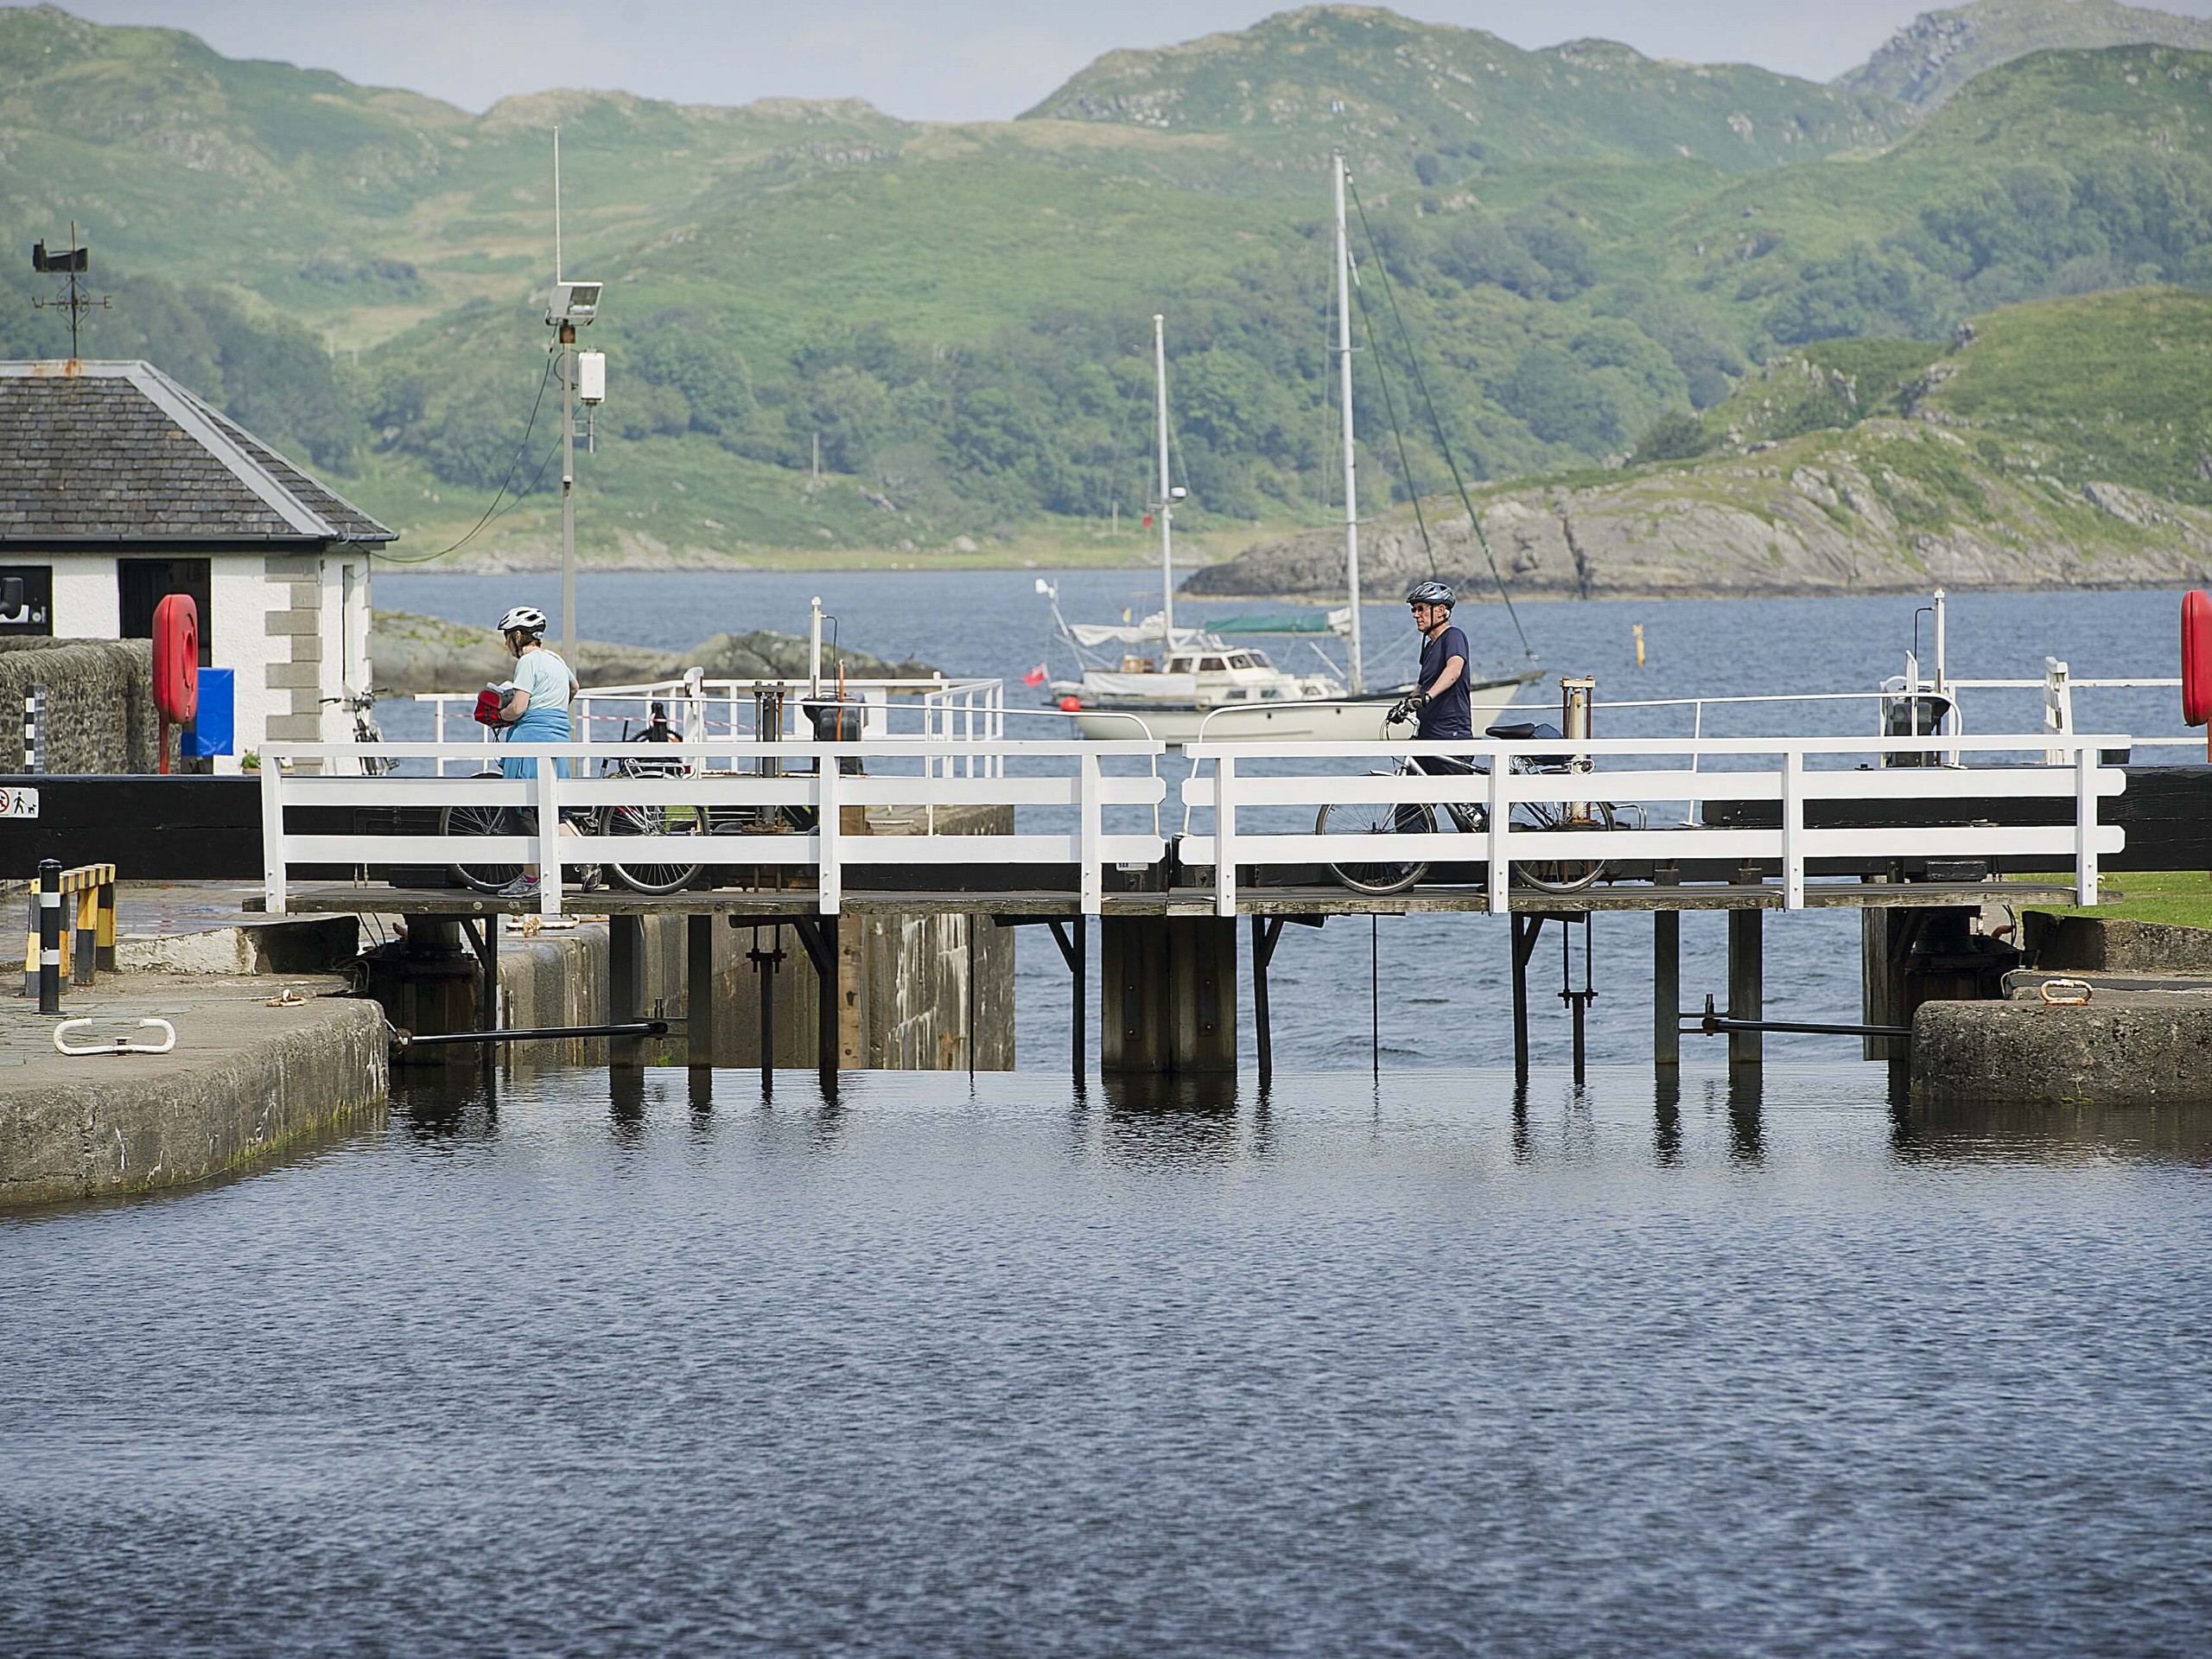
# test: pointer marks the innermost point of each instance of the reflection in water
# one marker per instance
(1985, 1134)
(626, 1089)
(1172, 1119)
(1667, 1118)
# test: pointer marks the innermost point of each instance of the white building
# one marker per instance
(118, 487)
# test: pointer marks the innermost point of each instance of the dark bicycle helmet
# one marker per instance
(1433, 592)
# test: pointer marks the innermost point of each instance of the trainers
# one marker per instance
(523, 887)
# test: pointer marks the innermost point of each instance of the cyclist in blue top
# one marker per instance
(535, 710)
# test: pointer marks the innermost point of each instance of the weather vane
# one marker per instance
(67, 267)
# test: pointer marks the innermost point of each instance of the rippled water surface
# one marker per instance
(658, 1367)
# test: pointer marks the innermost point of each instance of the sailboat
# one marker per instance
(1185, 683)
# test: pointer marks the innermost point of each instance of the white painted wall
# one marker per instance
(241, 597)
(86, 603)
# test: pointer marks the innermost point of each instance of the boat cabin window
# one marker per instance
(1210, 666)
(1240, 659)
(1181, 666)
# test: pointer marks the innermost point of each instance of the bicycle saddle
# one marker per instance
(1520, 731)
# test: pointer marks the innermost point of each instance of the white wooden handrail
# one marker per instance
(1234, 793)
(716, 774)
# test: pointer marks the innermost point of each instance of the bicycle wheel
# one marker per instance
(653, 821)
(1384, 875)
(479, 821)
(1553, 874)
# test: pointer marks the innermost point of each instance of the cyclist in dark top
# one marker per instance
(1440, 697)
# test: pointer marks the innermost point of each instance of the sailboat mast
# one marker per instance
(1343, 373)
(1167, 512)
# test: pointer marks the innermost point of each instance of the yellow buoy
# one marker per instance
(1639, 645)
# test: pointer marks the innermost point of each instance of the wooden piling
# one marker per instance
(701, 1039)
(1667, 992)
(1746, 989)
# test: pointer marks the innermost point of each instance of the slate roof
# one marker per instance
(118, 452)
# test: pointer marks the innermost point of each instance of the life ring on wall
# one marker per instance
(176, 658)
(2196, 657)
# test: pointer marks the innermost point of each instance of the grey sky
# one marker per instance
(940, 60)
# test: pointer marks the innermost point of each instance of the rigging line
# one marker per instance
(521, 450)
(1397, 435)
(1436, 421)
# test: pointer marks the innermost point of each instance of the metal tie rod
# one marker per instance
(1713, 1024)
(404, 1038)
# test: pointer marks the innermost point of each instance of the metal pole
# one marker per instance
(1343, 385)
(1167, 512)
(49, 936)
(568, 499)
(1375, 989)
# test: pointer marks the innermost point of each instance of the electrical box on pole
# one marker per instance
(591, 377)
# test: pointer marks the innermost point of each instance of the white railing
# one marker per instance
(967, 710)
(1797, 771)
(718, 777)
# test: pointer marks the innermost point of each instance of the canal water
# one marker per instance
(1428, 990)
(655, 1365)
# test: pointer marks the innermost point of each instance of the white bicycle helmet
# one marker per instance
(524, 619)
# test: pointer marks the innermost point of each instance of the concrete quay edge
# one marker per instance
(245, 1081)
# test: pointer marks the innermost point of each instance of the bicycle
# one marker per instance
(655, 819)
(365, 731)
(1383, 877)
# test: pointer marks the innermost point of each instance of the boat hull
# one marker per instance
(1344, 721)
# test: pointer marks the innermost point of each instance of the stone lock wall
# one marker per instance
(99, 713)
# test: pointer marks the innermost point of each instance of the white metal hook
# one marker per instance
(118, 1045)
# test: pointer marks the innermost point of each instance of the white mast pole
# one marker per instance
(1352, 489)
(567, 345)
(1166, 512)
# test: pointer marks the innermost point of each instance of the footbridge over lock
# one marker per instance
(1160, 851)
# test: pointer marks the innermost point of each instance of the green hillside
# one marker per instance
(1940, 52)
(1363, 79)
(1581, 242)
(2102, 388)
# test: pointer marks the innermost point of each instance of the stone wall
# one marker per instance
(99, 703)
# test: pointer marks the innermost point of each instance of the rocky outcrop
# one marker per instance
(1888, 506)
(411, 653)
(1930, 58)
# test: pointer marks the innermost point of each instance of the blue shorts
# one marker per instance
(526, 765)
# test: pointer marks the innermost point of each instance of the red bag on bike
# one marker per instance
(489, 701)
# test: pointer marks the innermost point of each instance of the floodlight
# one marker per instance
(574, 302)
(1177, 493)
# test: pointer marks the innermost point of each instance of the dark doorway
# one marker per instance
(143, 583)
(38, 599)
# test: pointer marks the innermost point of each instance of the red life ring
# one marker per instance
(2196, 657)
(176, 658)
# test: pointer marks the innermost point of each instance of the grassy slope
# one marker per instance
(2099, 388)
